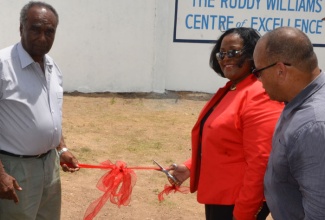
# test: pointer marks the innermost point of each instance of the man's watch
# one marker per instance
(64, 149)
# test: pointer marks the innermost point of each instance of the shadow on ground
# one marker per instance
(195, 96)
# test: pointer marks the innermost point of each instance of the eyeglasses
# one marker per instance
(229, 53)
(258, 72)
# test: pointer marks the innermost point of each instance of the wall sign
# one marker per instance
(202, 21)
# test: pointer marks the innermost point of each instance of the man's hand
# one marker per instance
(8, 187)
(67, 157)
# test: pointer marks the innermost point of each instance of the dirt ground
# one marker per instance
(137, 129)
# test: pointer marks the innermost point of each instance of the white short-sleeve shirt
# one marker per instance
(30, 103)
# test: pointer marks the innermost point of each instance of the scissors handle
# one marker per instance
(174, 179)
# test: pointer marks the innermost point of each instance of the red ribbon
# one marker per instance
(172, 188)
(117, 185)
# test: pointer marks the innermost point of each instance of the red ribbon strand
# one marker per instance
(172, 188)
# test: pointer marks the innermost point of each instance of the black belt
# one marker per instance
(23, 156)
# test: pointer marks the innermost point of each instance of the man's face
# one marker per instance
(267, 76)
(38, 32)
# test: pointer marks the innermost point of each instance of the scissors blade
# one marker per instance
(162, 169)
(166, 172)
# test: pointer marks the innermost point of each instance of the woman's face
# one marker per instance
(234, 68)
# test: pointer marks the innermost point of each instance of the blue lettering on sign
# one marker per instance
(297, 5)
(239, 4)
(267, 24)
(203, 3)
(309, 26)
(206, 22)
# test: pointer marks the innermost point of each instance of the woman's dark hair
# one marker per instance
(250, 38)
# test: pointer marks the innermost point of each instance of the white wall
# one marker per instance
(121, 46)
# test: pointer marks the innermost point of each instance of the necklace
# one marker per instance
(235, 82)
(232, 87)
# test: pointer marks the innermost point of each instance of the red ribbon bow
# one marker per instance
(117, 185)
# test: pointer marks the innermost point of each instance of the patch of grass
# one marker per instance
(144, 146)
(85, 149)
(135, 130)
(113, 101)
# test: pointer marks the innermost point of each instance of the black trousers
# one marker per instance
(224, 212)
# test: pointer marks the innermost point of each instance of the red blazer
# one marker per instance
(229, 160)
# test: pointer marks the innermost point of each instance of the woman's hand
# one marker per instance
(180, 172)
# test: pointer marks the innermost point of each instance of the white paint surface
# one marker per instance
(122, 46)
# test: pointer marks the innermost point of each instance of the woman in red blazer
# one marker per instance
(231, 140)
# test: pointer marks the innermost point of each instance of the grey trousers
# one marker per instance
(39, 178)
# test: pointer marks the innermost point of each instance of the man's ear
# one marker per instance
(282, 72)
(20, 29)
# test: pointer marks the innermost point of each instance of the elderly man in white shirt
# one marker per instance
(31, 141)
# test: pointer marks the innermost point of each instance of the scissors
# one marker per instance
(169, 176)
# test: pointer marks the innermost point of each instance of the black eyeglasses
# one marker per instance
(258, 72)
(229, 53)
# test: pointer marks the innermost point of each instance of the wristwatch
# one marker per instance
(64, 149)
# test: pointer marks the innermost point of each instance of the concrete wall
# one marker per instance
(121, 46)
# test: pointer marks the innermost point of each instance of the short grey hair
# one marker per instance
(291, 45)
(29, 5)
